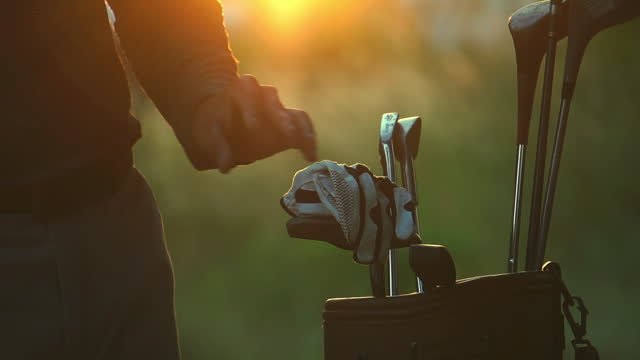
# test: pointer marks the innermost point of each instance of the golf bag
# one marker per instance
(506, 316)
(518, 315)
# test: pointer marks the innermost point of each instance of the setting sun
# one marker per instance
(288, 14)
(287, 9)
(298, 25)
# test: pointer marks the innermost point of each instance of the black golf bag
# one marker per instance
(506, 316)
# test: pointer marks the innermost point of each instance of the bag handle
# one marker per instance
(582, 347)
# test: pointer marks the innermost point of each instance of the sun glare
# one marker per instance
(291, 24)
(288, 14)
(287, 8)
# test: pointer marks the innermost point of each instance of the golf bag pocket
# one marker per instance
(506, 316)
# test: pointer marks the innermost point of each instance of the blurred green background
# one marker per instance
(246, 290)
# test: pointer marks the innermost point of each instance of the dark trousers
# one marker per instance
(96, 284)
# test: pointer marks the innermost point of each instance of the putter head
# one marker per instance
(433, 264)
(586, 19)
(408, 131)
(387, 127)
(529, 29)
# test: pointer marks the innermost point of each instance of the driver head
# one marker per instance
(529, 28)
(586, 19)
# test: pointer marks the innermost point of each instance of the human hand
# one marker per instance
(247, 122)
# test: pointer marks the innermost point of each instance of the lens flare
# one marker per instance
(288, 14)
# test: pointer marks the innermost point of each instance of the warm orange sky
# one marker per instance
(287, 14)
(444, 23)
(291, 17)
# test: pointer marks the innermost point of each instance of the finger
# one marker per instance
(246, 95)
(221, 150)
(306, 137)
(210, 135)
(277, 115)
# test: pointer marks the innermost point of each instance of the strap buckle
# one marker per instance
(582, 347)
(579, 329)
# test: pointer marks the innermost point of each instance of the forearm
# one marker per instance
(179, 51)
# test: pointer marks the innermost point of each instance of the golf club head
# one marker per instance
(586, 19)
(388, 126)
(408, 132)
(387, 129)
(433, 264)
(529, 29)
(406, 143)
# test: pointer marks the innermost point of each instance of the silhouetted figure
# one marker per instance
(84, 272)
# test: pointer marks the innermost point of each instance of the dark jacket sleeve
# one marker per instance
(179, 51)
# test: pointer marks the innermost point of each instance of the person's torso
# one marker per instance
(65, 98)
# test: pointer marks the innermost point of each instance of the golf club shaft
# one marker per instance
(376, 277)
(514, 244)
(552, 182)
(541, 150)
(390, 172)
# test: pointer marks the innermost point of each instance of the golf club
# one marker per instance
(387, 159)
(543, 134)
(529, 28)
(433, 265)
(586, 19)
(376, 278)
(406, 144)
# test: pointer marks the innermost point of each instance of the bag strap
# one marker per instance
(582, 347)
